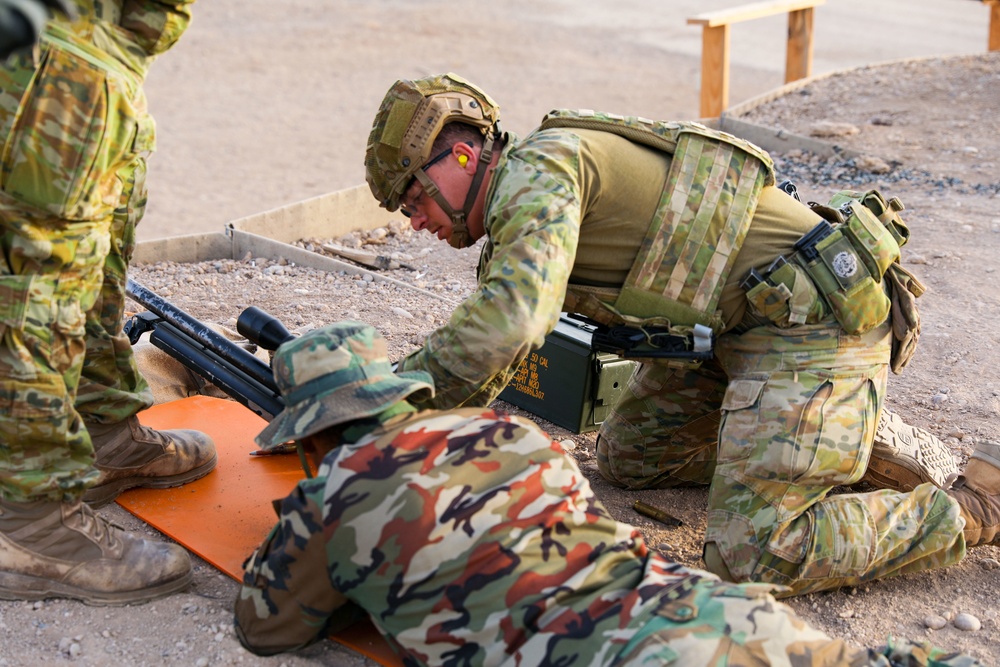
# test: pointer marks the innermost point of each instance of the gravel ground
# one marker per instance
(928, 132)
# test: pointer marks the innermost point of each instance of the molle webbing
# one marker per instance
(708, 200)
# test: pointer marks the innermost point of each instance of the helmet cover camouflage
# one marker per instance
(335, 374)
(408, 121)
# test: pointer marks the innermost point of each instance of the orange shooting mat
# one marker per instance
(225, 515)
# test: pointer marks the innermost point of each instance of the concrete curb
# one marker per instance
(270, 235)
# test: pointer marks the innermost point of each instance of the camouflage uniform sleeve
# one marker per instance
(156, 25)
(533, 221)
(287, 600)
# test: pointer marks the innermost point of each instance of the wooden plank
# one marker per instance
(993, 42)
(798, 59)
(714, 70)
(751, 11)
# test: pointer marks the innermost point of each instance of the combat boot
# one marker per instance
(50, 549)
(132, 455)
(977, 491)
(905, 456)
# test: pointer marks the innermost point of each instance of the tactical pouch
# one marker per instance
(849, 258)
(905, 316)
(903, 286)
(788, 297)
(74, 128)
(856, 298)
(887, 211)
(875, 244)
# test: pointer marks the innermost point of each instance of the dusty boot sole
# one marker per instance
(904, 456)
(25, 587)
(99, 496)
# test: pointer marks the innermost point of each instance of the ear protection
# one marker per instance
(462, 159)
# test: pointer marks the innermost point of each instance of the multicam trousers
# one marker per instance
(799, 409)
(73, 187)
(704, 621)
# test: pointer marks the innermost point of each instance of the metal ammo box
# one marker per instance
(566, 381)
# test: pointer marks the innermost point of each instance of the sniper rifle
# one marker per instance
(242, 376)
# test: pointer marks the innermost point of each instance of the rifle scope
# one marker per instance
(262, 328)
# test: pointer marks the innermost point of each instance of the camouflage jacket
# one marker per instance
(539, 200)
(567, 209)
(74, 117)
(467, 537)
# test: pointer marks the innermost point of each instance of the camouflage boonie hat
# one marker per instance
(408, 121)
(332, 375)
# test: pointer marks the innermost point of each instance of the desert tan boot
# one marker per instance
(905, 456)
(977, 491)
(50, 549)
(130, 455)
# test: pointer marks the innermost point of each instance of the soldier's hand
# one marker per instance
(22, 21)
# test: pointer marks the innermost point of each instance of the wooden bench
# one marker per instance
(715, 46)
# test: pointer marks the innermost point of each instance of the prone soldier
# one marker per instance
(469, 537)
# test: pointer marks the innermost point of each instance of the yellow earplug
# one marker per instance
(462, 159)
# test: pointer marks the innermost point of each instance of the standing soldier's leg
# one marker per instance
(112, 390)
(664, 429)
(60, 121)
(52, 544)
(799, 418)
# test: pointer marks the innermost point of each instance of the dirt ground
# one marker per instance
(929, 134)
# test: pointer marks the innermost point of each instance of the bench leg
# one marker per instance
(798, 61)
(714, 70)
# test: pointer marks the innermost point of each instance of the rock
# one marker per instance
(829, 129)
(402, 312)
(875, 165)
(967, 622)
(935, 622)
(989, 563)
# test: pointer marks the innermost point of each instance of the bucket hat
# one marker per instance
(335, 374)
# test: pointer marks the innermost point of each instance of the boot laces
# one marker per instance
(101, 530)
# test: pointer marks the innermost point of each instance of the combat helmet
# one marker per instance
(408, 121)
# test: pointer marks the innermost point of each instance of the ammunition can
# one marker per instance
(566, 381)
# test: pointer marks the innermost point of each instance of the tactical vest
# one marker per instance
(708, 199)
